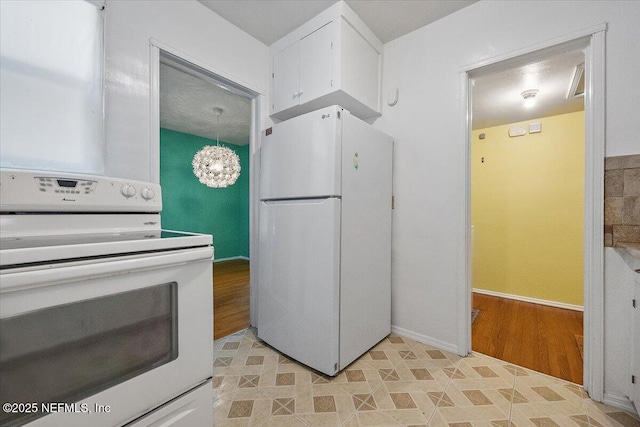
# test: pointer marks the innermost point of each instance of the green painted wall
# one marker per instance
(188, 205)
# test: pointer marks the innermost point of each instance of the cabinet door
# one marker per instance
(635, 343)
(286, 78)
(316, 64)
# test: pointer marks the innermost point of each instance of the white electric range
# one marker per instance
(105, 318)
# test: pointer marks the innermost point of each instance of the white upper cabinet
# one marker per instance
(333, 59)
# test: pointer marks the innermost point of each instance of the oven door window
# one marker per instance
(69, 352)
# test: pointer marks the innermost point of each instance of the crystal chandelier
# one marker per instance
(216, 166)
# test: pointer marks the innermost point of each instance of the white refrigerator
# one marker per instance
(324, 295)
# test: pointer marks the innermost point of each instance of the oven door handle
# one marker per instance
(50, 275)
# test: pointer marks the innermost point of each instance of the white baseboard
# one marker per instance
(531, 300)
(231, 258)
(425, 339)
(620, 402)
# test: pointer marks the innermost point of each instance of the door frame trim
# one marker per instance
(593, 41)
(239, 87)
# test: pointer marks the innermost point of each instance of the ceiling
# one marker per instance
(497, 98)
(270, 20)
(187, 101)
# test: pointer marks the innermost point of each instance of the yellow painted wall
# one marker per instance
(527, 202)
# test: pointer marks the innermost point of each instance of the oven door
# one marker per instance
(103, 342)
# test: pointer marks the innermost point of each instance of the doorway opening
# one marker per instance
(591, 42)
(527, 208)
(198, 108)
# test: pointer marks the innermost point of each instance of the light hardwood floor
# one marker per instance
(534, 336)
(230, 297)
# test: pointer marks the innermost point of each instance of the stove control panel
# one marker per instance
(43, 191)
(65, 186)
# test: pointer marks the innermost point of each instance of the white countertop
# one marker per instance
(632, 249)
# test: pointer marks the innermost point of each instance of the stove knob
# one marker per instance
(147, 193)
(128, 190)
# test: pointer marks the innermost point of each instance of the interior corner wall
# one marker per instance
(527, 210)
(191, 206)
(427, 124)
(187, 27)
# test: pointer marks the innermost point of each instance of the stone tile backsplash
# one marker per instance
(622, 199)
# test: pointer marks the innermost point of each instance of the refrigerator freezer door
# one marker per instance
(298, 305)
(301, 157)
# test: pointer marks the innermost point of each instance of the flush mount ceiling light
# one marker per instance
(216, 166)
(529, 97)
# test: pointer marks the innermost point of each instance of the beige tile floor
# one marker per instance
(399, 382)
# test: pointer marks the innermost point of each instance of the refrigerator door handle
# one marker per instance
(310, 200)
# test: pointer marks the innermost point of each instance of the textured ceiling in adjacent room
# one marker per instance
(187, 103)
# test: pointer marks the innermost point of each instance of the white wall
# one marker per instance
(183, 25)
(429, 139)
